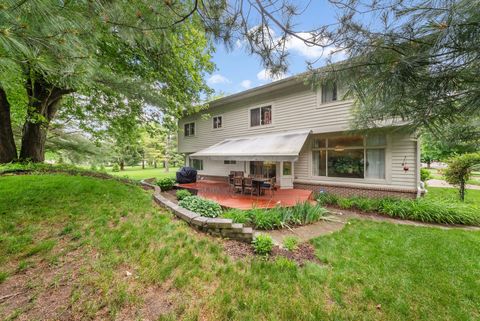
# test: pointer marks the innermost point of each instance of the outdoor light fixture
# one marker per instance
(339, 149)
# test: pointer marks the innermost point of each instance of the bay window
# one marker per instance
(349, 156)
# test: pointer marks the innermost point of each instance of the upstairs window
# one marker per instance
(189, 129)
(261, 116)
(329, 92)
(229, 162)
(217, 122)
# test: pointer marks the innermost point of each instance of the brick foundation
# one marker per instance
(347, 191)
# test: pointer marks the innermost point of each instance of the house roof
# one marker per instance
(275, 85)
(280, 146)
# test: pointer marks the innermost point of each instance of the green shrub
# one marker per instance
(102, 168)
(201, 206)
(279, 217)
(166, 183)
(239, 216)
(266, 219)
(422, 209)
(115, 168)
(93, 167)
(182, 193)
(460, 169)
(425, 174)
(327, 199)
(290, 243)
(262, 244)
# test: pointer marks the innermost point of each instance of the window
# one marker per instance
(349, 156)
(197, 164)
(189, 129)
(264, 169)
(261, 116)
(231, 162)
(287, 168)
(329, 92)
(217, 122)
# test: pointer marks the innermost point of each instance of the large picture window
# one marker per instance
(349, 156)
(261, 116)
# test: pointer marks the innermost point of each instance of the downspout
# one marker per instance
(420, 187)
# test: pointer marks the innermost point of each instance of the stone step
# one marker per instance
(247, 230)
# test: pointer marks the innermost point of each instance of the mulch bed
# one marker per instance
(303, 254)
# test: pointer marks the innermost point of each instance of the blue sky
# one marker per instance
(238, 71)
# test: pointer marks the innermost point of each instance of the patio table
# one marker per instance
(258, 181)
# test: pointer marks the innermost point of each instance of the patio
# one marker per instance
(221, 193)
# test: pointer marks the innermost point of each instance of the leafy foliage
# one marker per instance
(166, 183)
(425, 174)
(182, 193)
(459, 170)
(262, 244)
(290, 243)
(201, 206)
(422, 209)
(279, 217)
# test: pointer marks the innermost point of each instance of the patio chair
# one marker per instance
(239, 174)
(270, 185)
(248, 186)
(230, 180)
(238, 184)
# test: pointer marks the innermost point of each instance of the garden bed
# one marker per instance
(425, 210)
(303, 254)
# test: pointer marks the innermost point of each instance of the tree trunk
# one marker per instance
(167, 153)
(429, 165)
(8, 150)
(462, 190)
(155, 163)
(44, 101)
(143, 160)
(122, 165)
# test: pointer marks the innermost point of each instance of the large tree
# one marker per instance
(154, 53)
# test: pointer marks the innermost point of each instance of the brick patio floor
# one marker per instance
(221, 193)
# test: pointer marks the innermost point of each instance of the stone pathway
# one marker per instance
(338, 218)
(442, 183)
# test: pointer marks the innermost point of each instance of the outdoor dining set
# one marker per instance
(253, 184)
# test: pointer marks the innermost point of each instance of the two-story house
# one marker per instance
(299, 135)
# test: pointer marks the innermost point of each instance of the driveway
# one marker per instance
(442, 183)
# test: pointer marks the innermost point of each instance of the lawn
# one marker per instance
(474, 180)
(136, 172)
(472, 196)
(82, 248)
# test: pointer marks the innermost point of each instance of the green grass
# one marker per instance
(472, 196)
(137, 173)
(474, 180)
(370, 271)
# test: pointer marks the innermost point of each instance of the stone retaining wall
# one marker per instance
(221, 227)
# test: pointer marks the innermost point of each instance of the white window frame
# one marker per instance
(213, 122)
(386, 179)
(271, 105)
(192, 160)
(194, 129)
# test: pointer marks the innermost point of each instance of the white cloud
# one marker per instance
(266, 75)
(218, 79)
(309, 51)
(246, 84)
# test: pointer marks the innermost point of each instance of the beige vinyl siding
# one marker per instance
(295, 110)
(218, 168)
(403, 146)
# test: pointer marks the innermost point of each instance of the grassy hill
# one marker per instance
(74, 247)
